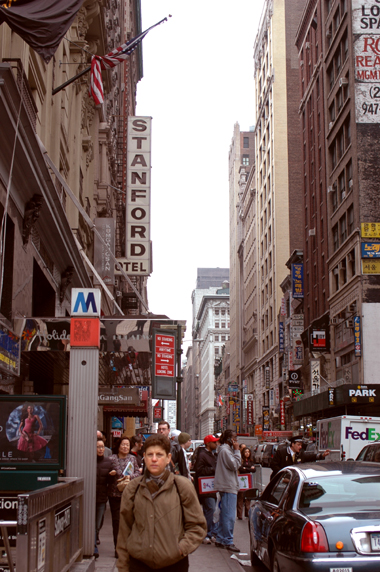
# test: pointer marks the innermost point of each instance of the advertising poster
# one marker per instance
(31, 431)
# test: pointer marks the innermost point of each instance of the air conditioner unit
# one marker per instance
(329, 189)
(307, 45)
(349, 323)
(343, 195)
(311, 231)
(343, 81)
(334, 321)
(350, 183)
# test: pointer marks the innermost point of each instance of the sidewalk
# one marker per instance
(207, 558)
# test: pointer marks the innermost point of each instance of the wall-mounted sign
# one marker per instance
(281, 337)
(265, 417)
(371, 266)
(296, 394)
(250, 415)
(137, 243)
(294, 378)
(357, 336)
(283, 307)
(331, 395)
(103, 262)
(315, 375)
(9, 351)
(164, 354)
(370, 249)
(370, 229)
(282, 414)
(85, 302)
(121, 395)
(297, 280)
(318, 340)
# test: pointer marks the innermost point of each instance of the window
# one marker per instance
(246, 142)
(216, 312)
(350, 219)
(217, 324)
(335, 237)
(223, 338)
(223, 312)
(343, 228)
(223, 325)
(216, 351)
(332, 111)
(217, 338)
(246, 160)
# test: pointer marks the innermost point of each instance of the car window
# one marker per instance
(275, 493)
(362, 454)
(339, 491)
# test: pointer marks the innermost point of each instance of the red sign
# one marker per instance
(284, 434)
(116, 433)
(85, 332)
(165, 355)
(282, 413)
(157, 413)
(258, 430)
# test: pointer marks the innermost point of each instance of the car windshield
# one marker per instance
(340, 492)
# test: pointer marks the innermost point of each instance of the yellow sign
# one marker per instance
(370, 229)
(370, 266)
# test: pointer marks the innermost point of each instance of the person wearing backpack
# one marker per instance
(149, 503)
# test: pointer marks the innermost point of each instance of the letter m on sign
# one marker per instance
(85, 302)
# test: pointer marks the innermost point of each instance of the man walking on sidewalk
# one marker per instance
(205, 466)
(161, 520)
(226, 482)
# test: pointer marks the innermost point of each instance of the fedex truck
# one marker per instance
(346, 435)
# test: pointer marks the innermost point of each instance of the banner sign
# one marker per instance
(371, 266)
(103, 263)
(266, 417)
(137, 242)
(297, 280)
(282, 414)
(283, 307)
(315, 373)
(40, 23)
(357, 336)
(249, 409)
(366, 36)
(206, 484)
(281, 337)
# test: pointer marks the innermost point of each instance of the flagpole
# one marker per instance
(86, 70)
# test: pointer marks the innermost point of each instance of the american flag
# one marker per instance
(109, 61)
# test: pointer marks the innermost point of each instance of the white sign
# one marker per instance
(137, 244)
(366, 35)
(315, 374)
(85, 302)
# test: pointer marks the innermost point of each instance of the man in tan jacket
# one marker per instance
(161, 520)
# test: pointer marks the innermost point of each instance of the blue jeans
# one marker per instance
(99, 513)
(225, 534)
(208, 505)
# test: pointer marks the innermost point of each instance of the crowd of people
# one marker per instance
(144, 482)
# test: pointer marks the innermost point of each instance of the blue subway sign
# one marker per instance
(85, 302)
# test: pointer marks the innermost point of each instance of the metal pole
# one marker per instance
(179, 378)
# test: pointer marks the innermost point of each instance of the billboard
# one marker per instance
(33, 432)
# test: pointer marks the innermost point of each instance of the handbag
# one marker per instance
(123, 482)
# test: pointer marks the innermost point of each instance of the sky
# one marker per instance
(198, 82)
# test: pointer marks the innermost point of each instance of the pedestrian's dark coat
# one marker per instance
(282, 458)
(103, 467)
(205, 466)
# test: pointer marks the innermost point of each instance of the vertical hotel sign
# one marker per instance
(297, 280)
(366, 35)
(137, 243)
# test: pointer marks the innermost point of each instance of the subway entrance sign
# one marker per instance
(164, 364)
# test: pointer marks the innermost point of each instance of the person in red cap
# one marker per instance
(205, 466)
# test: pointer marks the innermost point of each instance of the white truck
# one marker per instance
(346, 435)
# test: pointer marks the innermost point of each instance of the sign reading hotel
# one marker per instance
(137, 259)
(366, 35)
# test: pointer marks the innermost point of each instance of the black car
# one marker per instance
(321, 517)
(268, 454)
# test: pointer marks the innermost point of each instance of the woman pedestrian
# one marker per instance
(105, 475)
(246, 467)
(121, 458)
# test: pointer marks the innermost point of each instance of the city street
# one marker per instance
(207, 558)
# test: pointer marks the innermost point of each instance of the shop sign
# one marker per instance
(331, 395)
(370, 229)
(137, 244)
(282, 414)
(370, 249)
(9, 351)
(315, 375)
(103, 262)
(371, 266)
(283, 307)
(121, 395)
(265, 417)
(250, 409)
(281, 338)
(85, 302)
(297, 280)
(157, 414)
(357, 336)
(318, 340)
(294, 378)
(258, 430)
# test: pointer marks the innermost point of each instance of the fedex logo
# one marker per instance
(369, 434)
(85, 302)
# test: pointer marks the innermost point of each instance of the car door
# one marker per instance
(265, 513)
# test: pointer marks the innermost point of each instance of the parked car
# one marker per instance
(318, 517)
(370, 453)
(268, 454)
(258, 454)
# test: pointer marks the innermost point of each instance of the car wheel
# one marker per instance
(275, 564)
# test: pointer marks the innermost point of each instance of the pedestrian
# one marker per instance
(136, 446)
(247, 466)
(163, 428)
(161, 520)
(205, 466)
(293, 454)
(105, 475)
(107, 450)
(227, 484)
(184, 440)
(121, 458)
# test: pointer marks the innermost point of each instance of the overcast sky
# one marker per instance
(198, 81)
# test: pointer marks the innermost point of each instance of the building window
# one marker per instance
(246, 142)
(217, 324)
(350, 219)
(335, 237)
(223, 325)
(223, 338)
(216, 351)
(216, 338)
(216, 312)
(246, 160)
(343, 228)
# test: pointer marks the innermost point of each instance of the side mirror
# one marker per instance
(251, 494)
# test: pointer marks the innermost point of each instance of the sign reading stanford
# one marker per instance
(366, 34)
